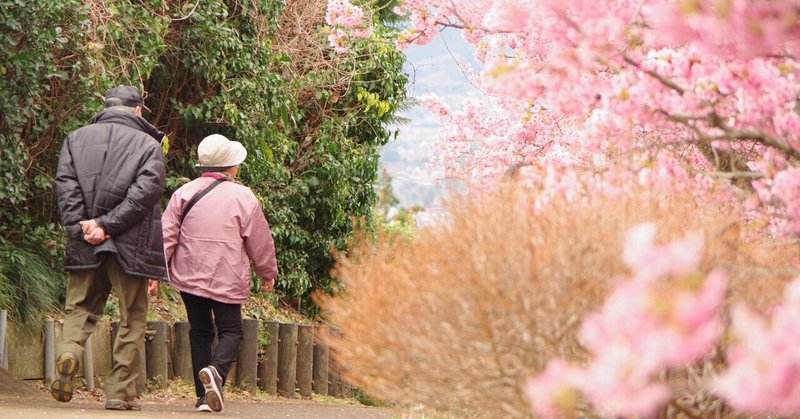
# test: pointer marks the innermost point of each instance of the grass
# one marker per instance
(29, 286)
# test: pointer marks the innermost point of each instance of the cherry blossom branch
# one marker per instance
(715, 120)
(736, 175)
(661, 78)
(730, 134)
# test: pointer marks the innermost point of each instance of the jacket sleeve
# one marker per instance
(171, 226)
(141, 196)
(259, 244)
(69, 193)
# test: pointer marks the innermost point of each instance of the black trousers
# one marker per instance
(228, 321)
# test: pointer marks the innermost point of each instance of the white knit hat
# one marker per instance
(216, 151)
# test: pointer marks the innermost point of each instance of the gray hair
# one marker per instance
(122, 108)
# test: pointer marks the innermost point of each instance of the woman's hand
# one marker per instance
(268, 284)
(152, 287)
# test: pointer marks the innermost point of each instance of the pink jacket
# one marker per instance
(209, 254)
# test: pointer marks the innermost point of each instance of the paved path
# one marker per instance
(21, 400)
(295, 409)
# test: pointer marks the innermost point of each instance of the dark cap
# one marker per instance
(125, 96)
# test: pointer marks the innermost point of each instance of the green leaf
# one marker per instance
(165, 144)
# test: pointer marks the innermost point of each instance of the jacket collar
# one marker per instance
(221, 175)
(216, 175)
(117, 116)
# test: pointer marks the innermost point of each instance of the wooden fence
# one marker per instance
(278, 358)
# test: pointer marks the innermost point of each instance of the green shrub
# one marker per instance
(28, 284)
(312, 121)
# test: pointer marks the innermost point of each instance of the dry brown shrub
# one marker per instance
(311, 67)
(457, 318)
(300, 38)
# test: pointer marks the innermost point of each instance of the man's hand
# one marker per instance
(268, 284)
(152, 287)
(93, 233)
(88, 226)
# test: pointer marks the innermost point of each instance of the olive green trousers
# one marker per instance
(87, 294)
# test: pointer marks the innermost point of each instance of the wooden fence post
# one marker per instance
(268, 370)
(247, 365)
(287, 359)
(336, 384)
(320, 369)
(305, 359)
(182, 352)
(156, 353)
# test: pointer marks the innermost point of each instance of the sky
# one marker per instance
(433, 68)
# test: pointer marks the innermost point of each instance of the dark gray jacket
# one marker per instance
(113, 171)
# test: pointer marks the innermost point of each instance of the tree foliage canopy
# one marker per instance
(259, 72)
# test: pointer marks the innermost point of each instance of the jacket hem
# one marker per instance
(204, 294)
(146, 276)
(70, 268)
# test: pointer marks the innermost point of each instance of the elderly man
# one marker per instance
(109, 181)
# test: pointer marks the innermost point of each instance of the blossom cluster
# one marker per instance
(763, 374)
(701, 90)
(665, 315)
(749, 28)
(347, 22)
(343, 13)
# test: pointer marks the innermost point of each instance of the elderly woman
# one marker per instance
(213, 227)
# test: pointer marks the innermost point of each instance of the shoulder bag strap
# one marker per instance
(200, 195)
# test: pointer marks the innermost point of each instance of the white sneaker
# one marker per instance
(201, 405)
(212, 382)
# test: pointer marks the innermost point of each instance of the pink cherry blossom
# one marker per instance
(749, 27)
(338, 40)
(656, 319)
(434, 105)
(510, 15)
(764, 365)
(343, 13)
(649, 261)
(347, 22)
(617, 386)
(554, 393)
(625, 82)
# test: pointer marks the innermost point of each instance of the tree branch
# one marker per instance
(665, 81)
(686, 410)
(730, 134)
(735, 175)
(189, 15)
